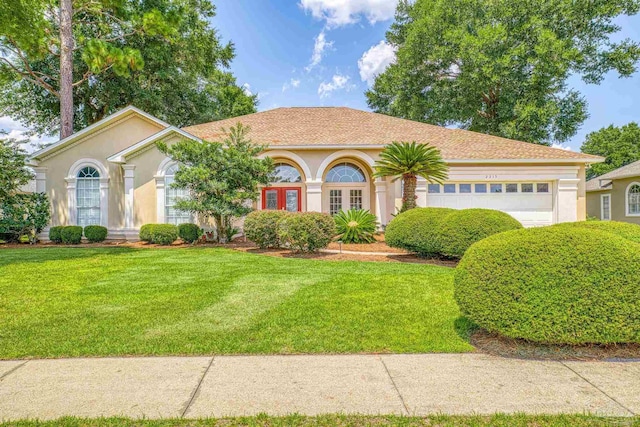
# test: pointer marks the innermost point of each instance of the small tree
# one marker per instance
(409, 161)
(13, 173)
(222, 178)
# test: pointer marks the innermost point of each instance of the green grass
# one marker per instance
(517, 420)
(58, 302)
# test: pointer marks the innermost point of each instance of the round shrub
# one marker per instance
(145, 232)
(561, 285)
(416, 230)
(55, 234)
(163, 234)
(356, 226)
(463, 228)
(95, 233)
(623, 229)
(71, 234)
(306, 231)
(189, 232)
(261, 227)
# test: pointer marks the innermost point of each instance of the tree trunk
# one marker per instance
(66, 68)
(409, 193)
(219, 221)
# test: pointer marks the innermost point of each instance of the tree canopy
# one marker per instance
(161, 55)
(501, 67)
(620, 146)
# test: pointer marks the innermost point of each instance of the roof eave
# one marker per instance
(121, 156)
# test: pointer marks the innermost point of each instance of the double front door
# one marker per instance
(281, 198)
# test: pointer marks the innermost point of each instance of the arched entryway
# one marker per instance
(286, 190)
(346, 185)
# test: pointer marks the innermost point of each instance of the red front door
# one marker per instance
(281, 198)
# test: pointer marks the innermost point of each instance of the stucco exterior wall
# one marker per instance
(97, 146)
(594, 203)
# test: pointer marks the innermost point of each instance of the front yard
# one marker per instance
(58, 302)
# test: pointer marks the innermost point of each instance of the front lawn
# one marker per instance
(57, 302)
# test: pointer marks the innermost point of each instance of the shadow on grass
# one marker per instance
(464, 327)
(38, 254)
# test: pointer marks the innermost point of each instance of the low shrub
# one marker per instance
(163, 234)
(145, 232)
(623, 229)
(71, 234)
(55, 234)
(560, 285)
(416, 230)
(261, 227)
(306, 231)
(356, 226)
(462, 228)
(189, 232)
(95, 233)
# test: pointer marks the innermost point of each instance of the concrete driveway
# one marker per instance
(420, 384)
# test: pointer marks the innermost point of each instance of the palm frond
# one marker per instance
(410, 158)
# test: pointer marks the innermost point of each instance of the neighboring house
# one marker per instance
(111, 173)
(616, 195)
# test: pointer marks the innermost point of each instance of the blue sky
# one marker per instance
(325, 53)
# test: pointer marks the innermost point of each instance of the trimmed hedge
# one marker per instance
(462, 228)
(416, 230)
(261, 227)
(160, 234)
(71, 234)
(55, 234)
(95, 233)
(306, 231)
(623, 229)
(145, 232)
(189, 232)
(561, 285)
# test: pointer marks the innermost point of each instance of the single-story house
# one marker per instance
(111, 173)
(616, 195)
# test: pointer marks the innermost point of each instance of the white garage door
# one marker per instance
(531, 203)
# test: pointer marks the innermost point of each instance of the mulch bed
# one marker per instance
(496, 345)
(378, 246)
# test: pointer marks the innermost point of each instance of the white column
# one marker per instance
(104, 202)
(567, 200)
(421, 193)
(159, 199)
(314, 195)
(129, 176)
(41, 179)
(381, 201)
(71, 201)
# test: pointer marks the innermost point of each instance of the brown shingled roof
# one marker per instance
(603, 181)
(341, 126)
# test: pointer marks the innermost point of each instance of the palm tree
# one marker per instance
(409, 161)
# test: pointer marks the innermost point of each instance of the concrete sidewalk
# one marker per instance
(218, 386)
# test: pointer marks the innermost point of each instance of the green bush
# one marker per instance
(356, 226)
(189, 232)
(55, 234)
(623, 229)
(463, 228)
(145, 232)
(24, 215)
(261, 227)
(163, 234)
(306, 231)
(95, 233)
(416, 230)
(71, 234)
(562, 285)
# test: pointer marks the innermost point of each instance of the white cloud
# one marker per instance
(319, 48)
(375, 61)
(17, 131)
(338, 13)
(561, 146)
(293, 83)
(337, 82)
(247, 89)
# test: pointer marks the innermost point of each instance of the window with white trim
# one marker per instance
(88, 196)
(284, 172)
(172, 195)
(633, 199)
(605, 205)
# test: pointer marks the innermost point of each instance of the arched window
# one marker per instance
(286, 173)
(633, 199)
(172, 196)
(345, 172)
(88, 196)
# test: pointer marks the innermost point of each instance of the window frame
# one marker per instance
(95, 194)
(602, 197)
(627, 199)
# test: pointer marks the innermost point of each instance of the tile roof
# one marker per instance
(311, 127)
(603, 181)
